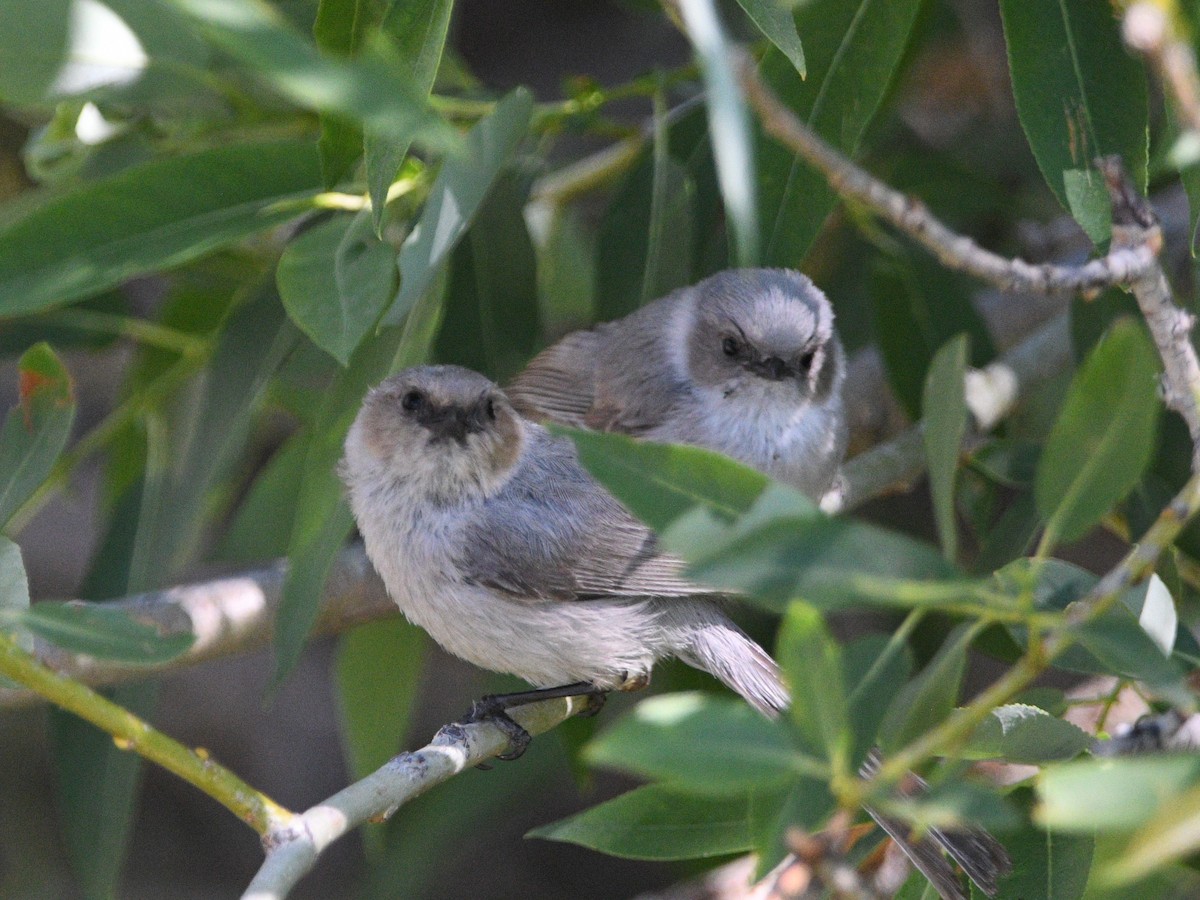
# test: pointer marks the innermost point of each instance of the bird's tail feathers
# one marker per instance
(724, 651)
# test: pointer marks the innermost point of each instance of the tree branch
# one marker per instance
(226, 616)
(294, 846)
(1122, 265)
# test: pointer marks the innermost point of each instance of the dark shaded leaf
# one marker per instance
(103, 633)
(96, 236)
(1104, 436)
(944, 406)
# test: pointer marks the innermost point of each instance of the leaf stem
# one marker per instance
(129, 732)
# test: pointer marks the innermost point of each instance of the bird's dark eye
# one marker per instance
(490, 409)
(412, 401)
(806, 360)
(730, 346)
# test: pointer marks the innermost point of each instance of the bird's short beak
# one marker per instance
(457, 423)
(772, 368)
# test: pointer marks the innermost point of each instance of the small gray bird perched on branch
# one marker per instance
(747, 363)
(490, 535)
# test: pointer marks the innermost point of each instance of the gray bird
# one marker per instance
(747, 362)
(490, 535)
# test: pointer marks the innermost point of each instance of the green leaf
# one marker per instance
(659, 483)
(1088, 201)
(260, 527)
(14, 586)
(1104, 436)
(874, 671)
(812, 667)
(827, 562)
(778, 27)
(1080, 94)
(103, 633)
(375, 88)
(699, 744)
(930, 697)
(491, 321)
(1050, 863)
(36, 430)
(951, 805)
(853, 50)
(338, 30)
(94, 237)
(1119, 794)
(460, 189)
(728, 124)
(337, 312)
(945, 409)
(658, 823)
(1025, 734)
(1171, 835)
(376, 712)
(419, 29)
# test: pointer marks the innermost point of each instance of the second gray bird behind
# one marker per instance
(746, 362)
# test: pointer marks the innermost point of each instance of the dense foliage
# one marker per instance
(274, 206)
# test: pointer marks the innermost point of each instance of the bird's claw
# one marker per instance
(490, 710)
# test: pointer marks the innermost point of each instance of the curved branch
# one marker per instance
(295, 845)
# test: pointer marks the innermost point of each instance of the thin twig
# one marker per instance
(129, 732)
(1122, 265)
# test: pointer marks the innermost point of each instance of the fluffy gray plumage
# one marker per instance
(490, 535)
(747, 362)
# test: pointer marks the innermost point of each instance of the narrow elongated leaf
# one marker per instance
(103, 633)
(699, 744)
(853, 50)
(375, 88)
(491, 322)
(339, 29)
(36, 430)
(812, 665)
(657, 823)
(931, 696)
(85, 241)
(1080, 94)
(728, 124)
(874, 672)
(1025, 734)
(1104, 435)
(460, 189)
(419, 29)
(375, 711)
(945, 409)
(337, 312)
(778, 27)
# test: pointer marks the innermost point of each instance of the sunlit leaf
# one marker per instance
(460, 189)
(658, 823)
(699, 744)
